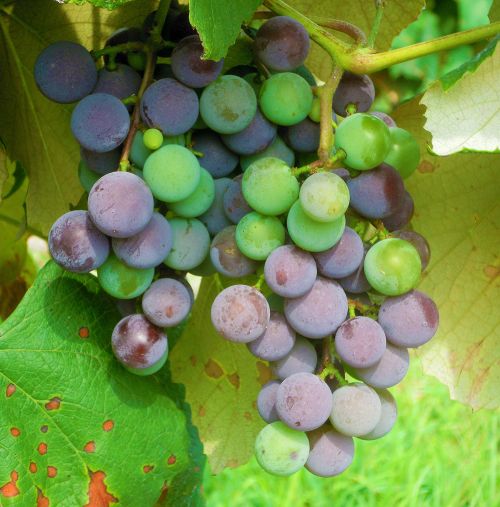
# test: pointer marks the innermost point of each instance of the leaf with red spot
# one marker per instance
(77, 428)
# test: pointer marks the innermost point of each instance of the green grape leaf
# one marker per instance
(463, 109)
(218, 22)
(37, 132)
(494, 13)
(77, 428)
(222, 381)
(457, 209)
(107, 4)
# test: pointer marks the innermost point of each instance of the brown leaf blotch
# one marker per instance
(41, 499)
(193, 360)
(247, 416)
(83, 332)
(10, 489)
(42, 448)
(147, 468)
(108, 425)
(171, 459)
(426, 167)
(44, 428)
(202, 411)
(51, 472)
(264, 373)
(89, 446)
(491, 272)
(53, 403)
(15, 432)
(213, 369)
(99, 496)
(163, 494)
(234, 378)
(33, 468)
(11, 389)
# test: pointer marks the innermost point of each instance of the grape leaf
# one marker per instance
(77, 428)
(222, 381)
(37, 132)
(107, 4)
(494, 13)
(218, 22)
(458, 211)
(463, 109)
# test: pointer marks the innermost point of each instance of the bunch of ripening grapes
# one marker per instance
(214, 188)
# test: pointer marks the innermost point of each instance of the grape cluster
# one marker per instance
(214, 188)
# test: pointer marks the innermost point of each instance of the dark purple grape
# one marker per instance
(149, 247)
(409, 320)
(122, 36)
(342, 259)
(277, 340)
(226, 256)
(120, 204)
(65, 72)
(419, 242)
(303, 401)
(320, 311)
(402, 216)
(266, 401)
(254, 138)
(167, 302)
(190, 68)
(354, 89)
(215, 158)
(215, 219)
(302, 358)
(121, 82)
(101, 163)
(377, 193)
(360, 342)
(331, 452)
(385, 118)
(76, 244)
(303, 136)
(342, 172)
(235, 205)
(240, 313)
(282, 43)
(170, 107)
(289, 271)
(356, 282)
(100, 122)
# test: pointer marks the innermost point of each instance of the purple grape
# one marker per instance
(121, 82)
(331, 452)
(342, 259)
(301, 359)
(266, 401)
(214, 218)
(282, 43)
(303, 401)
(409, 320)
(402, 216)
(188, 65)
(149, 247)
(303, 136)
(120, 204)
(226, 256)
(240, 313)
(342, 172)
(377, 193)
(76, 244)
(65, 72)
(388, 416)
(289, 271)
(419, 242)
(360, 342)
(254, 138)
(356, 283)
(385, 118)
(320, 311)
(354, 89)
(100, 122)
(167, 302)
(215, 158)
(276, 342)
(170, 107)
(235, 205)
(101, 163)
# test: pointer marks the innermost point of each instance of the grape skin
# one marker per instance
(266, 401)
(101, 163)
(214, 218)
(235, 206)
(331, 452)
(277, 149)
(121, 82)
(354, 89)
(404, 154)
(302, 358)
(216, 158)
(303, 401)
(384, 117)
(199, 201)
(402, 216)
(388, 416)
(303, 137)
(76, 244)
(419, 242)
(356, 282)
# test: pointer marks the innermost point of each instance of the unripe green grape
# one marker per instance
(137, 60)
(365, 139)
(121, 281)
(404, 154)
(191, 243)
(281, 450)
(199, 201)
(324, 197)
(269, 186)
(393, 266)
(258, 235)
(143, 372)
(315, 112)
(152, 139)
(285, 98)
(310, 234)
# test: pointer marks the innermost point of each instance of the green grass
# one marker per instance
(439, 454)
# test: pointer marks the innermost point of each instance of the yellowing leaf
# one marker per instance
(458, 210)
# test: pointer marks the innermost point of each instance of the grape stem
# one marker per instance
(126, 47)
(379, 12)
(326, 368)
(319, 165)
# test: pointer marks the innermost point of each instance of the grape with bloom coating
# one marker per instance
(235, 205)
(388, 416)
(402, 216)
(215, 157)
(304, 136)
(331, 452)
(214, 218)
(355, 89)
(199, 201)
(302, 358)
(121, 82)
(277, 149)
(266, 401)
(102, 163)
(191, 243)
(419, 242)
(404, 154)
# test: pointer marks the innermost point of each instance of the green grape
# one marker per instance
(269, 186)
(310, 234)
(143, 372)
(281, 450)
(137, 60)
(258, 235)
(199, 201)
(139, 153)
(315, 113)
(172, 173)
(152, 139)
(121, 281)
(87, 176)
(393, 266)
(324, 196)
(191, 243)
(277, 149)
(404, 154)
(228, 105)
(286, 98)
(365, 139)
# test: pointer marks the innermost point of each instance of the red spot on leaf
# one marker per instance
(51, 471)
(108, 425)
(193, 360)
(247, 416)
(53, 403)
(491, 271)
(264, 373)
(33, 467)
(89, 446)
(11, 389)
(83, 332)
(15, 432)
(426, 167)
(41, 499)
(10, 489)
(171, 459)
(44, 429)
(201, 411)
(213, 369)
(99, 496)
(147, 468)
(234, 378)
(42, 448)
